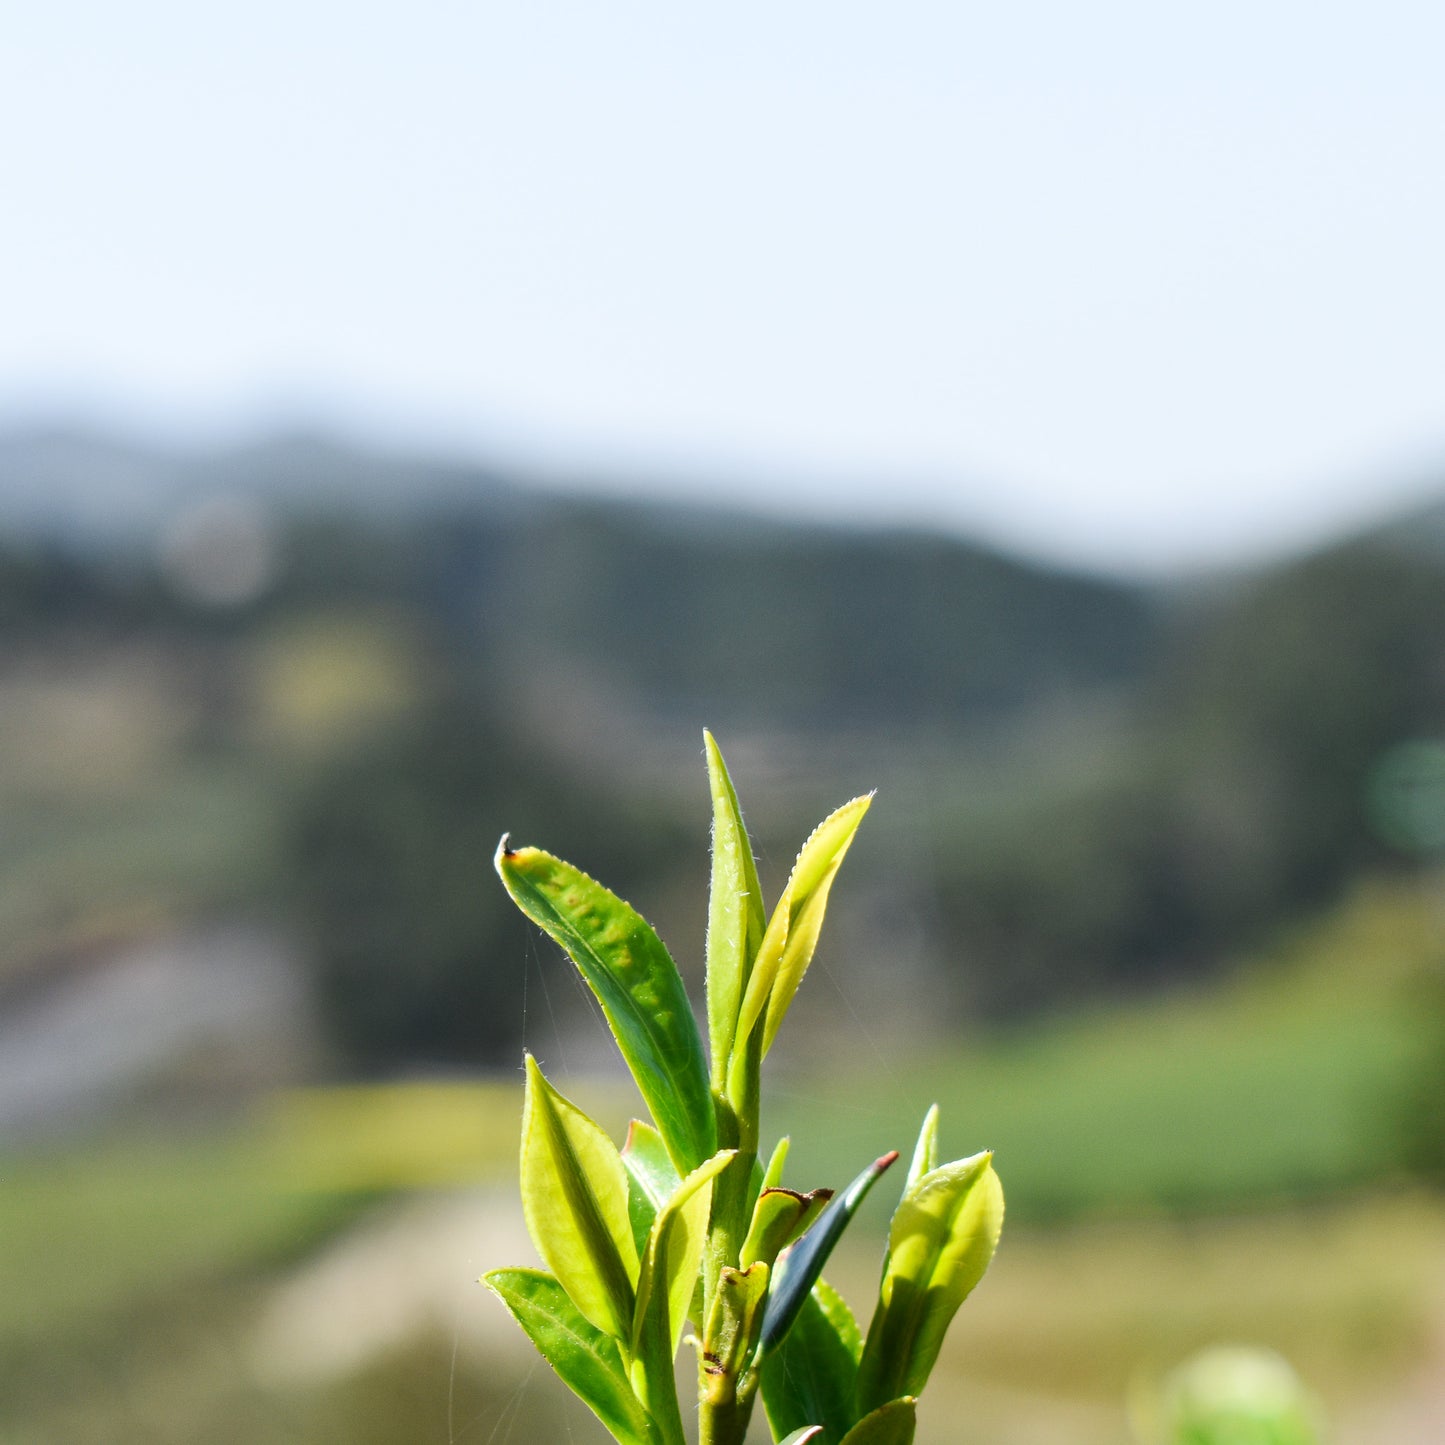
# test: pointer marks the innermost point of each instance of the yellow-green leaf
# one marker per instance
(665, 1290)
(652, 1176)
(792, 933)
(773, 1174)
(925, 1152)
(940, 1243)
(779, 1216)
(587, 1360)
(637, 984)
(574, 1197)
(674, 1254)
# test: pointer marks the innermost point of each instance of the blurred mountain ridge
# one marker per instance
(1093, 786)
(690, 601)
(75, 484)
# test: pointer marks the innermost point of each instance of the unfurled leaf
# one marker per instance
(799, 1437)
(801, 1263)
(638, 986)
(674, 1252)
(735, 915)
(890, 1424)
(940, 1243)
(652, 1178)
(665, 1290)
(587, 1360)
(779, 1216)
(574, 1197)
(792, 933)
(732, 1327)
(813, 1375)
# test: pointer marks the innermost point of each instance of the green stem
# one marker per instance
(723, 1413)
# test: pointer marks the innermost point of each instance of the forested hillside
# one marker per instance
(1088, 785)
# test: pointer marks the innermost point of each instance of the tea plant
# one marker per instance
(688, 1221)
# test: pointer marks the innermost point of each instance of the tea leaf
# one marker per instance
(665, 1290)
(801, 1263)
(792, 933)
(940, 1243)
(674, 1252)
(588, 1361)
(574, 1197)
(735, 915)
(890, 1424)
(925, 1152)
(813, 1375)
(637, 984)
(839, 1317)
(778, 1216)
(773, 1174)
(652, 1178)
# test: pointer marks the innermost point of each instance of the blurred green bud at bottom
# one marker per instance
(1228, 1395)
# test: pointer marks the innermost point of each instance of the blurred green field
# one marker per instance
(1284, 1084)
(133, 1266)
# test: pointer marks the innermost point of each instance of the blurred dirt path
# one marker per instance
(409, 1271)
(1414, 1415)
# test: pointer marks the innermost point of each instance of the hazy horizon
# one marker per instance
(1143, 289)
(748, 486)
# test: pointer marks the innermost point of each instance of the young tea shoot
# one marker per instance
(687, 1229)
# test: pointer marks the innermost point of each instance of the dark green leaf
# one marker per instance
(799, 1437)
(637, 984)
(813, 1375)
(587, 1360)
(802, 1263)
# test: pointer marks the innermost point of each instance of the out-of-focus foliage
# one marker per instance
(1294, 1079)
(1231, 1395)
(1245, 797)
(1107, 786)
(392, 840)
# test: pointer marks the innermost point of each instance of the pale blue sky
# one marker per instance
(1134, 283)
